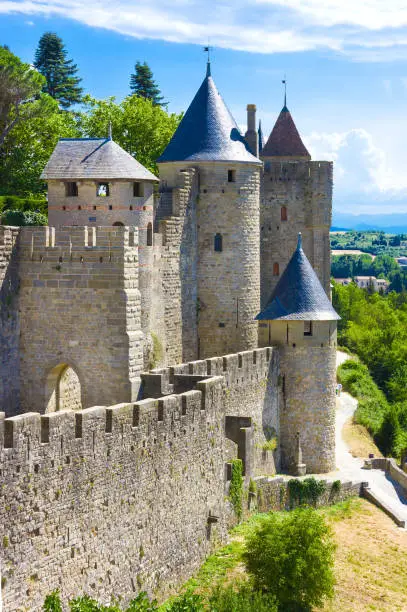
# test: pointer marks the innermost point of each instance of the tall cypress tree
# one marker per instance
(143, 85)
(60, 72)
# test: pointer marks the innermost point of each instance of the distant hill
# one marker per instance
(394, 223)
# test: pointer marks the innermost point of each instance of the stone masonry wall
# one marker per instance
(305, 190)
(229, 280)
(251, 390)
(81, 303)
(111, 501)
(89, 209)
(9, 320)
(179, 261)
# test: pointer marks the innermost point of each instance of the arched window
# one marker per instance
(149, 235)
(218, 243)
(284, 213)
(276, 269)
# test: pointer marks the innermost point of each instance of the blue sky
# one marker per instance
(345, 61)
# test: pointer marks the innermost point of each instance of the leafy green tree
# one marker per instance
(28, 147)
(20, 99)
(388, 437)
(140, 127)
(142, 84)
(62, 84)
(291, 556)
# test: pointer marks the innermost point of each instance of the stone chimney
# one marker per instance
(251, 135)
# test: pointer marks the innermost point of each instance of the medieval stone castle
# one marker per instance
(156, 330)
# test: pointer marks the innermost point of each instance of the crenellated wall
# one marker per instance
(114, 500)
(80, 301)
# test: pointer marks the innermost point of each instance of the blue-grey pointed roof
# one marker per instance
(208, 131)
(299, 295)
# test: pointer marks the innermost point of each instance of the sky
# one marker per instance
(345, 64)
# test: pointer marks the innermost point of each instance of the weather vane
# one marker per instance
(284, 82)
(207, 50)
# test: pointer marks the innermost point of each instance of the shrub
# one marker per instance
(52, 602)
(22, 218)
(388, 437)
(291, 557)
(245, 599)
(187, 602)
(306, 491)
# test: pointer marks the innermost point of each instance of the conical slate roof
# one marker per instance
(93, 158)
(284, 140)
(299, 296)
(207, 131)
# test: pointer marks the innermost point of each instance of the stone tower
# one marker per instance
(222, 219)
(296, 197)
(300, 320)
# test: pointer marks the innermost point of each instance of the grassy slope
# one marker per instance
(371, 569)
(359, 440)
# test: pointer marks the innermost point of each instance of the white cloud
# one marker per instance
(362, 169)
(364, 29)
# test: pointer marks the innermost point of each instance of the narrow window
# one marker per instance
(71, 190)
(149, 235)
(307, 328)
(231, 176)
(218, 243)
(276, 269)
(284, 213)
(102, 190)
(138, 190)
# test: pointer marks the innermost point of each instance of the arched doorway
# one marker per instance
(118, 224)
(63, 389)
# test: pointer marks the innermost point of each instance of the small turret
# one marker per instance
(300, 320)
(284, 141)
(251, 135)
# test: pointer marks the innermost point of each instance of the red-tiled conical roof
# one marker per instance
(284, 140)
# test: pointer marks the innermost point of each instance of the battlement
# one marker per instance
(29, 437)
(67, 241)
(238, 368)
(285, 170)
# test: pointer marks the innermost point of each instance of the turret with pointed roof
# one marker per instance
(212, 188)
(207, 131)
(284, 141)
(299, 295)
(299, 319)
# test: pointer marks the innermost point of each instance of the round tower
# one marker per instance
(226, 212)
(300, 320)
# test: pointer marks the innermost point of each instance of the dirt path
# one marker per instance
(351, 467)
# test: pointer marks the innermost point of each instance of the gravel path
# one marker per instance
(351, 467)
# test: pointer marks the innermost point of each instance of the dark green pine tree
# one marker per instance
(60, 72)
(143, 85)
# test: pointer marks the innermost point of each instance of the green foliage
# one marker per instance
(305, 492)
(252, 486)
(143, 85)
(336, 486)
(20, 218)
(236, 487)
(245, 599)
(372, 405)
(52, 602)
(269, 445)
(186, 602)
(51, 61)
(388, 437)
(291, 557)
(20, 99)
(140, 127)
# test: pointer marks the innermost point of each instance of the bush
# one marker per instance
(244, 600)
(10, 202)
(305, 492)
(291, 557)
(388, 437)
(22, 218)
